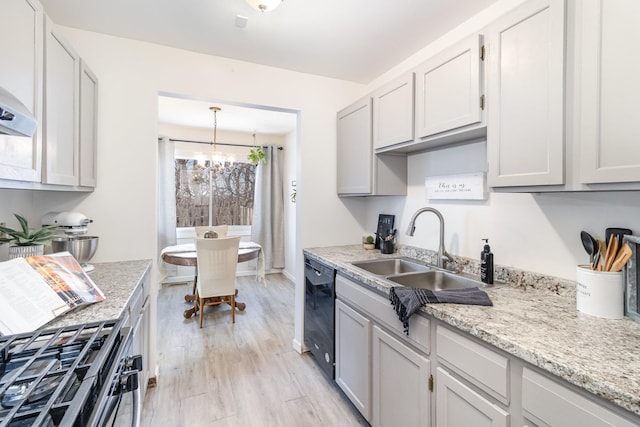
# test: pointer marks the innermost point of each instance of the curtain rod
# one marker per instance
(217, 143)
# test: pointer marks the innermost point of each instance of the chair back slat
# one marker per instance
(217, 263)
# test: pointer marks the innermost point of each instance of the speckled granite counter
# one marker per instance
(117, 280)
(539, 325)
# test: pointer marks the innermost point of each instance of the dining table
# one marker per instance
(186, 255)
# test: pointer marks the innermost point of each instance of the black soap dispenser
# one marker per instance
(486, 264)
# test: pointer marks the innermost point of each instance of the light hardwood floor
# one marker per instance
(242, 375)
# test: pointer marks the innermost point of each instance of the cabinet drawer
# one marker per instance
(380, 309)
(474, 362)
(546, 402)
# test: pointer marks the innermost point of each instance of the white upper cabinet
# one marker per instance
(449, 89)
(360, 172)
(393, 113)
(88, 126)
(21, 75)
(355, 152)
(45, 73)
(609, 84)
(61, 142)
(525, 98)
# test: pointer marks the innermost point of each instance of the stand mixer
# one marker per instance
(71, 236)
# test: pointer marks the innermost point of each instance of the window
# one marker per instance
(222, 194)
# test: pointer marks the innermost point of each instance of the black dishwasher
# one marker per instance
(319, 313)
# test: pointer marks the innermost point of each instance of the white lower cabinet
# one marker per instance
(547, 403)
(383, 372)
(353, 355)
(441, 376)
(476, 367)
(457, 405)
(400, 383)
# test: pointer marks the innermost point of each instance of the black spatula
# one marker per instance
(618, 232)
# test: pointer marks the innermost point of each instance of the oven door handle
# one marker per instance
(136, 413)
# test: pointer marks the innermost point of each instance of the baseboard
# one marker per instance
(297, 346)
(289, 276)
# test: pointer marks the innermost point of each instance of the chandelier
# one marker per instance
(264, 5)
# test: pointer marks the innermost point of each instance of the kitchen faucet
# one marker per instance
(442, 253)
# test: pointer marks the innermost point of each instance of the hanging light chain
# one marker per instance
(215, 131)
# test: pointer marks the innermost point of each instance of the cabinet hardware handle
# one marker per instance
(482, 102)
(430, 382)
(482, 52)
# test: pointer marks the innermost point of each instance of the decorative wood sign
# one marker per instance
(471, 186)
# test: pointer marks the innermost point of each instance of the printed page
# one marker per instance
(67, 278)
(26, 302)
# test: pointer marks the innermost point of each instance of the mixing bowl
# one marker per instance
(82, 247)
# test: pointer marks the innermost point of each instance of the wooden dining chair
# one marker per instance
(220, 229)
(217, 262)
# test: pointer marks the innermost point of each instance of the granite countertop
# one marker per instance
(539, 326)
(117, 280)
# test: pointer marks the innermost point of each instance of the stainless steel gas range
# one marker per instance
(69, 376)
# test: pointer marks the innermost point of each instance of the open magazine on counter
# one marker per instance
(37, 289)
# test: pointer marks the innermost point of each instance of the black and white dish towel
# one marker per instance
(409, 300)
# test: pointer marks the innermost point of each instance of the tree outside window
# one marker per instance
(214, 194)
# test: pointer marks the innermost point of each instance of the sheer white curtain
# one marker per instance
(166, 194)
(267, 227)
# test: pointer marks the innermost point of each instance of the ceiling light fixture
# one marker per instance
(264, 5)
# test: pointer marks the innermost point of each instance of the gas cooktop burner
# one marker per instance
(28, 380)
(56, 377)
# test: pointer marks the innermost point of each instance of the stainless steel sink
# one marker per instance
(434, 280)
(390, 266)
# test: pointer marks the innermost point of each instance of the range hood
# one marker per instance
(15, 119)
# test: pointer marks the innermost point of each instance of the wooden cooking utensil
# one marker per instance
(611, 252)
(603, 250)
(621, 259)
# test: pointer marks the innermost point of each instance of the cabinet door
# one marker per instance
(21, 75)
(61, 84)
(393, 113)
(353, 365)
(609, 128)
(457, 405)
(355, 161)
(88, 126)
(546, 402)
(400, 377)
(141, 346)
(525, 99)
(448, 89)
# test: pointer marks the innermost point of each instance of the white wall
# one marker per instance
(131, 76)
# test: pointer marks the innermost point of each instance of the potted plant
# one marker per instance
(27, 242)
(369, 242)
(256, 155)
